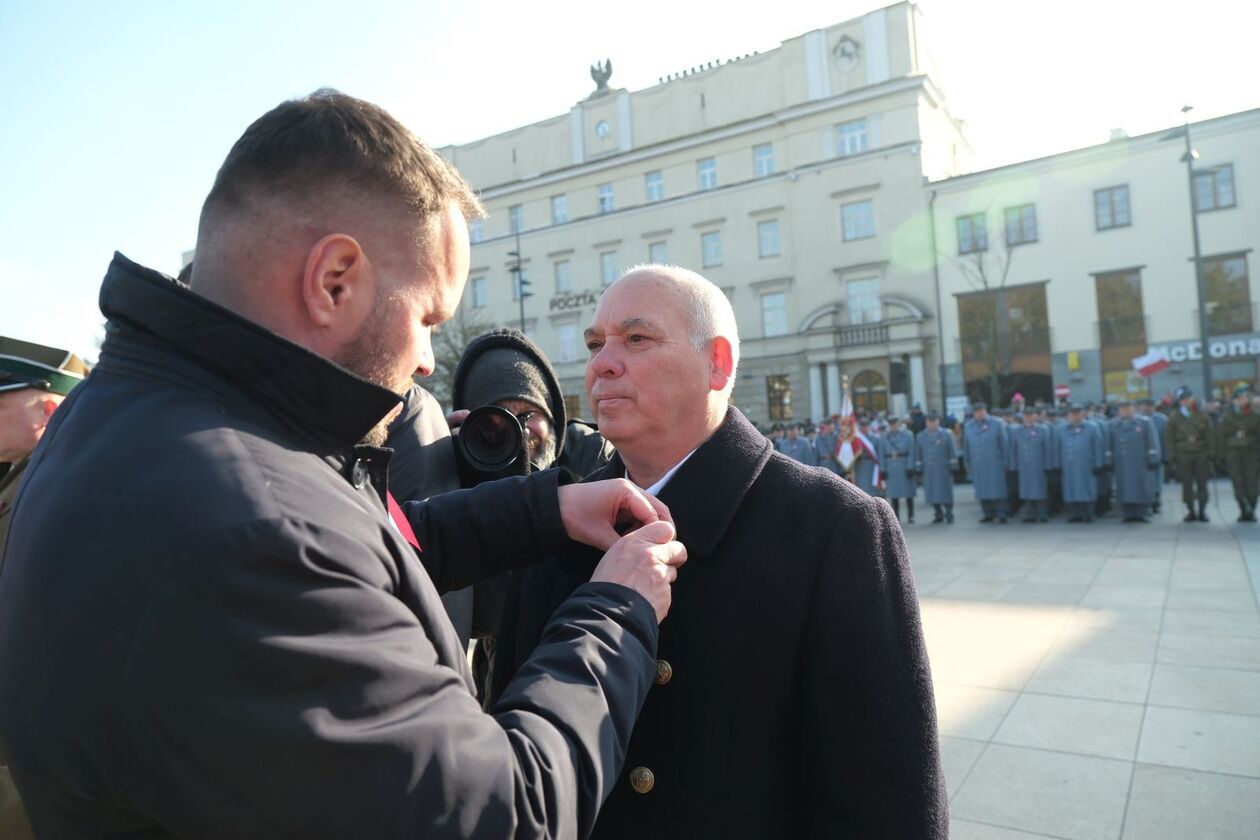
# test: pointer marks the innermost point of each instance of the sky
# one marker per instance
(117, 115)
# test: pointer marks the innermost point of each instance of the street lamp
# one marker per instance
(521, 284)
(1189, 158)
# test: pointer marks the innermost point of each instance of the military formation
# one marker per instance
(1082, 461)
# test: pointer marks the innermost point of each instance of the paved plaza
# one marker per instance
(1096, 681)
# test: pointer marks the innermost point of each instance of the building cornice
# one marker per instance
(1125, 147)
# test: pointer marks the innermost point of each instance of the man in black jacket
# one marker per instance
(793, 695)
(217, 627)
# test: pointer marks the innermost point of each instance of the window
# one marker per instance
(564, 277)
(1021, 224)
(774, 314)
(1004, 336)
(605, 198)
(973, 233)
(851, 138)
(608, 267)
(711, 249)
(658, 253)
(870, 391)
(516, 218)
(1214, 188)
(864, 306)
(1121, 327)
(478, 292)
(518, 278)
(1111, 207)
(559, 209)
(654, 185)
(566, 342)
(1227, 295)
(706, 173)
(858, 220)
(768, 238)
(779, 396)
(475, 231)
(763, 160)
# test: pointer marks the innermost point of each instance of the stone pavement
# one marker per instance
(1096, 681)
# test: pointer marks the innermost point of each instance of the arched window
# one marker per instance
(870, 391)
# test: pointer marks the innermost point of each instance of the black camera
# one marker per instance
(490, 445)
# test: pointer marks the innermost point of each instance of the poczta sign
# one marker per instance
(574, 301)
(1218, 348)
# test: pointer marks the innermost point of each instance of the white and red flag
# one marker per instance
(852, 443)
(1152, 363)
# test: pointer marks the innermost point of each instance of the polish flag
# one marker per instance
(1151, 364)
(845, 447)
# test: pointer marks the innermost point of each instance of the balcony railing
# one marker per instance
(857, 335)
(1227, 319)
(1124, 330)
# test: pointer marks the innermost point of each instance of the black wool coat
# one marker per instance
(210, 627)
(793, 696)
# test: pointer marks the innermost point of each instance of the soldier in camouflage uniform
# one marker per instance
(1237, 445)
(1190, 445)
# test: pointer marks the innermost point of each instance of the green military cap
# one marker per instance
(27, 365)
(1241, 389)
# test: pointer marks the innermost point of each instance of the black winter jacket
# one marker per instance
(209, 626)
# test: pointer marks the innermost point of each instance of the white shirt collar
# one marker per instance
(655, 489)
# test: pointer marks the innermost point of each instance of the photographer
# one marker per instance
(511, 421)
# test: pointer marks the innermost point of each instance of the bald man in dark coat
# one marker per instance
(793, 694)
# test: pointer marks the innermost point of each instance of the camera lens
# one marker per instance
(490, 438)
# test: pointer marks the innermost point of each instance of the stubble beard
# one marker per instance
(368, 358)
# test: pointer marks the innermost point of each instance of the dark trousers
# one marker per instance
(1242, 472)
(993, 508)
(1194, 470)
(1036, 509)
(897, 507)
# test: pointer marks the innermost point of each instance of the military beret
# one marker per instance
(979, 405)
(24, 364)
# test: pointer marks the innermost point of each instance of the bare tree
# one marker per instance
(987, 270)
(449, 342)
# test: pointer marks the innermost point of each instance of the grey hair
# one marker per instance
(709, 312)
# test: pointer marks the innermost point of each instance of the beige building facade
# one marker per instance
(793, 179)
(1058, 272)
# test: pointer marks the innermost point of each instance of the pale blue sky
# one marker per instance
(117, 114)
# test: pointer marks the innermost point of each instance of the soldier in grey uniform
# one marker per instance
(1080, 456)
(797, 447)
(935, 455)
(1135, 455)
(866, 470)
(984, 452)
(1031, 454)
(1147, 407)
(897, 457)
(825, 443)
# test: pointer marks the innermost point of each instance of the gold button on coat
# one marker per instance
(664, 672)
(642, 780)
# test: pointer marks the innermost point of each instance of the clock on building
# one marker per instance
(846, 53)
(602, 128)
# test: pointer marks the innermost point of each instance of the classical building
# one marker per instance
(794, 179)
(1058, 272)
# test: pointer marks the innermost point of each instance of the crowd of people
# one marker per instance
(1041, 461)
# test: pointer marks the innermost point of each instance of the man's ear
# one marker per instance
(722, 364)
(336, 279)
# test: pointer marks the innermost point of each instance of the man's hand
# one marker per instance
(599, 513)
(646, 561)
(456, 419)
